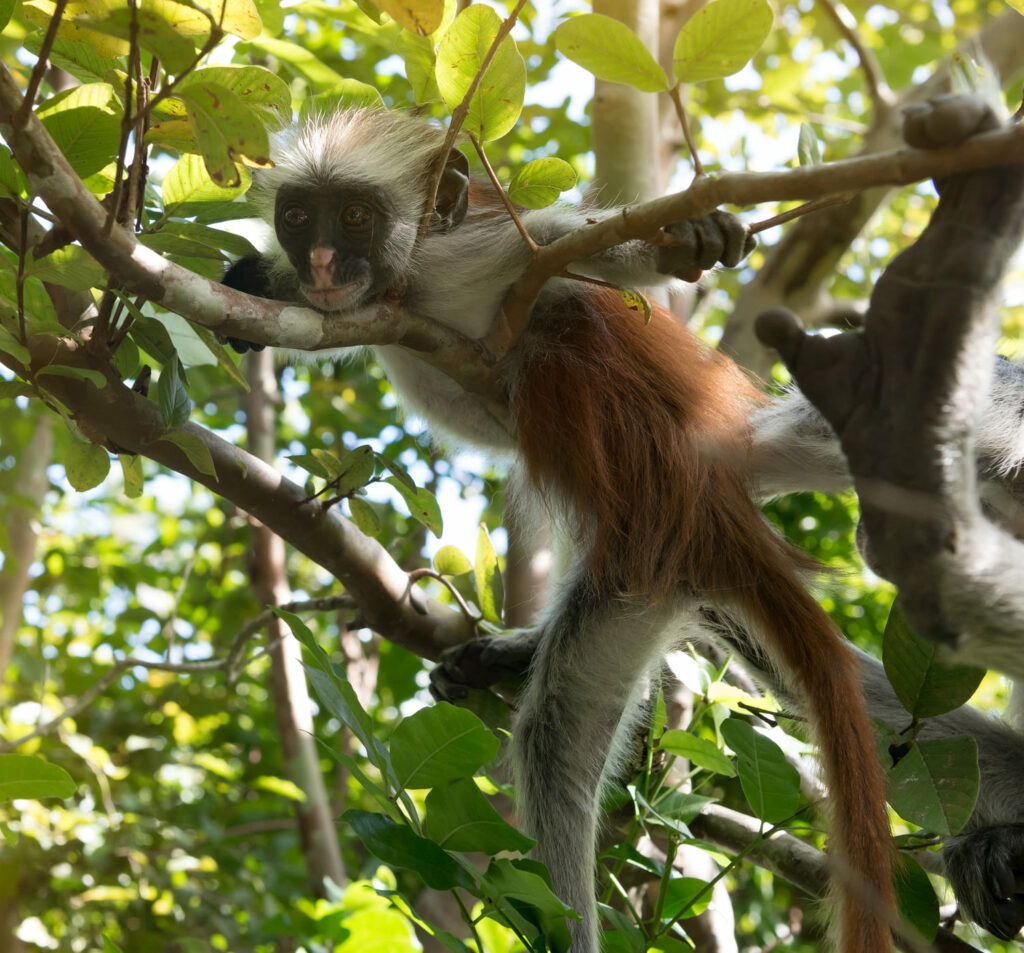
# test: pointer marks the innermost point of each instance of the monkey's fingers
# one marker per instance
(481, 663)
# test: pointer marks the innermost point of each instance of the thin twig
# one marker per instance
(509, 207)
(882, 96)
(417, 574)
(813, 206)
(127, 120)
(226, 663)
(39, 70)
(459, 117)
(677, 101)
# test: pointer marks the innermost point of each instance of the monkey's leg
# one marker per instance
(585, 682)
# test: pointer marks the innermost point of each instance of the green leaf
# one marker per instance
(375, 931)
(109, 946)
(399, 846)
(720, 39)
(304, 62)
(8, 174)
(153, 32)
(935, 784)
(311, 464)
(420, 59)
(517, 882)
(336, 693)
(423, 506)
(611, 51)
(192, 446)
(636, 301)
(685, 897)
(808, 147)
(440, 744)
(131, 470)
(85, 122)
(924, 684)
(915, 896)
(17, 350)
(188, 181)
(490, 592)
(171, 396)
(365, 516)
(354, 470)
(417, 16)
(256, 86)
(700, 751)
(27, 776)
(70, 267)
(227, 131)
(86, 465)
(6, 11)
(75, 373)
(450, 561)
(770, 782)
(282, 787)
(77, 58)
(348, 94)
(539, 183)
(459, 817)
(498, 100)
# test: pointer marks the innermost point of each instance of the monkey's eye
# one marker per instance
(295, 217)
(356, 215)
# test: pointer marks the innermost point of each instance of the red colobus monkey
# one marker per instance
(634, 436)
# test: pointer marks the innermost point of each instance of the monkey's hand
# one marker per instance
(481, 663)
(701, 244)
(984, 868)
(250, 274)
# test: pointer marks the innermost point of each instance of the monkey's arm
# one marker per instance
(689, 247)
(794, 449)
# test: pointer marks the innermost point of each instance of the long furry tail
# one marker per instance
(801, 639)
(641, 435)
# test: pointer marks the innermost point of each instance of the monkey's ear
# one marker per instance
(452, 193)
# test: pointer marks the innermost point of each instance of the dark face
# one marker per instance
(337, 239)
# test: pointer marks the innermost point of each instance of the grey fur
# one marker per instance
(583, 694)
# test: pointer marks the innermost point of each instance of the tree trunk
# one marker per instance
(292, 706)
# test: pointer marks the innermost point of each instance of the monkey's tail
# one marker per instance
(639, 434)
(802, 639)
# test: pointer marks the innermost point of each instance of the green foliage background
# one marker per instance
(180, 835)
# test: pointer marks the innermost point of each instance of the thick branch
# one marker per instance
(387, 600)
(229, 312)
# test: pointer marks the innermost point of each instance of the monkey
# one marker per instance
(633, 436)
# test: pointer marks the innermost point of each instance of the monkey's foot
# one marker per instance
(946, 120)
(985, 869)
(481, 663)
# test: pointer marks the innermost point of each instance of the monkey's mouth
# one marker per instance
(339, 298)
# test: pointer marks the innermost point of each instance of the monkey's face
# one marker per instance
(344, 242)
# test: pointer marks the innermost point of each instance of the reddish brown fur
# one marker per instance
(642, 434)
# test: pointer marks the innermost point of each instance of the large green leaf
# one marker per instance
(28, 776)
(935, 784)
(611, 51)
(770, 782)
(498, 100)
(459, 817)
(398, 845)
(85, 122)
(440, 744)
(924, 684)
(720, 39)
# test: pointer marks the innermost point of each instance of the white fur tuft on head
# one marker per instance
(374, 147)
